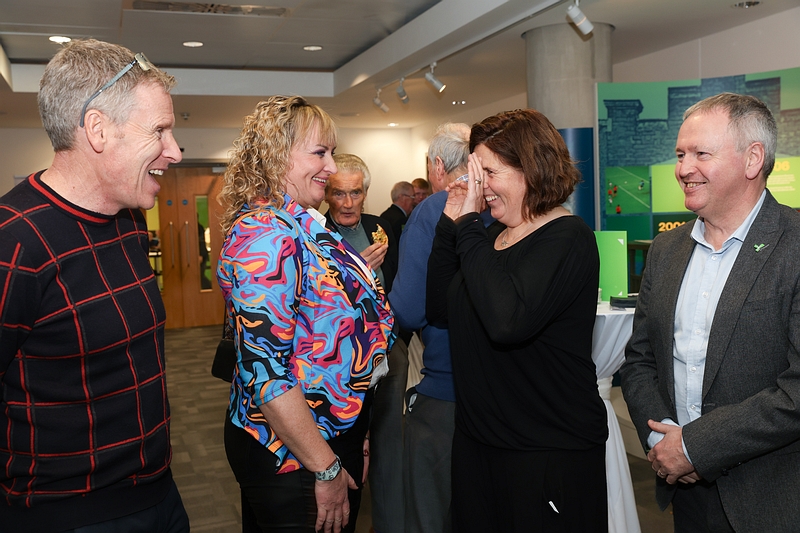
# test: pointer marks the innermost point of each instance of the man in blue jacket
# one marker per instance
(430, 415)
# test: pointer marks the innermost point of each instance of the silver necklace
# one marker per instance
(504, 242)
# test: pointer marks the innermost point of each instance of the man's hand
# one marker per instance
(374, 254)
(667, 457)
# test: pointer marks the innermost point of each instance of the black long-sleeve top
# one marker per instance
(520, 322)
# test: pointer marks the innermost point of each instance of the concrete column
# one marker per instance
(563, 67)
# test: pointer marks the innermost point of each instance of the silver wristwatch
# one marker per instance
(331, 472)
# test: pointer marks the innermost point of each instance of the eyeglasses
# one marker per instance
(407, 195)
(354, 195)
(139, 58)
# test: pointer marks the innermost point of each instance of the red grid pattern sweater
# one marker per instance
(84, 418)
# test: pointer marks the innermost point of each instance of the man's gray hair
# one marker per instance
(79, 69)
(450, 143)
(400, 188)
(750, 120)
(353, 163)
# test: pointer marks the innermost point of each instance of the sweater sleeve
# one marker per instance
(19, 297)
(515, 300)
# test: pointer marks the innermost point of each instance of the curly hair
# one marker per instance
(526, 140)
(260, 158)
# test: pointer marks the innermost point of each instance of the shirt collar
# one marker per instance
(319, 217)
(699, 229)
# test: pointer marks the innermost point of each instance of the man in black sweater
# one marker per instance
(84, 416)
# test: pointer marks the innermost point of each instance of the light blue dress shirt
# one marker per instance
(701, 289)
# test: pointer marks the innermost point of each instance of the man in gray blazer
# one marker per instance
(712, 371)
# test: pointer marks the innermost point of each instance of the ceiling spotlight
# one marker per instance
(377, 101)
(402, 92)
(433, 80)
(577, 17)
(192, 44)
(312, 48)
(60, 39)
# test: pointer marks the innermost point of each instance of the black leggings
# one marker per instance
(286, 503)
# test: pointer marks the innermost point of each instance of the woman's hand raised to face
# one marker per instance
(466, 196)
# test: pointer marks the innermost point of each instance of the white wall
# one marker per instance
(22, 152)
(387, 154)
(206, 143)
(771, 43)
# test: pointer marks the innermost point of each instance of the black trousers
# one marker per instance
(510, 491)
(168, 516)
(286, 503)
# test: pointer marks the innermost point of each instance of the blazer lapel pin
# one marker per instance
(760, 247)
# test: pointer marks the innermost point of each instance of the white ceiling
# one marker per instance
(367, 44)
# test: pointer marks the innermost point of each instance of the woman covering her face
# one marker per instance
(311, 327)
(519, 299)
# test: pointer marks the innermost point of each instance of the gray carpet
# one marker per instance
(209, 491)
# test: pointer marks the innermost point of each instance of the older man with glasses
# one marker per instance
(84, 416)
(375, 240)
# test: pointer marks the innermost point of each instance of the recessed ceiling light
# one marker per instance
(312, 48)
(60, 39)
(192, 44)
(393, 124)
(745, 5)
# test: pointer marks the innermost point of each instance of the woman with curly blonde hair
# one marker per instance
(311, 328)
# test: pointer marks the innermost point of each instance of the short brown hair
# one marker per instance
(422, 183)
(526, 140)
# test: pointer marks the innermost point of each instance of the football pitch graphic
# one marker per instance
(638, 124)
(627, 190)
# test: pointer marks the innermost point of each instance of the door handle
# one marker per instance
(188, 256)
(172, 243)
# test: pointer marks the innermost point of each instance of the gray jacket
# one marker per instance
(748, 437)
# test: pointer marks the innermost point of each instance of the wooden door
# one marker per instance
(190, 291)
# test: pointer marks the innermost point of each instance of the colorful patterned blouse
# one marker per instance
(306, 309)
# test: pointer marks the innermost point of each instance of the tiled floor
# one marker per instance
(210, 492)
